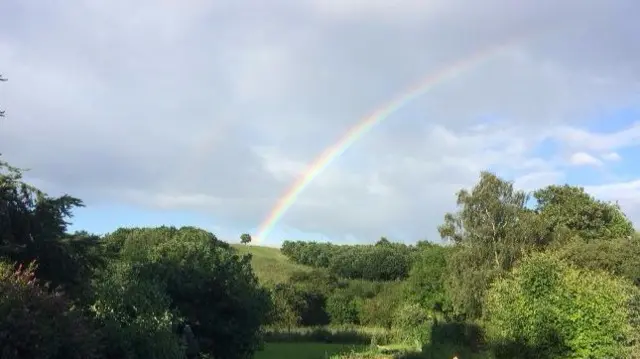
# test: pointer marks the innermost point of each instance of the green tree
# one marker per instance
(547, 309)
(489, 216)
(206, 281)
(572, 208)
(383, 242)
(33, 226)
(619, 256)
(245, 238)
(491, 230)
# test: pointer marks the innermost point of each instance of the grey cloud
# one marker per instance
(177, 104)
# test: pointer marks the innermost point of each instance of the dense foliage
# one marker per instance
(126, 295)
(383, 261)
(547, 309)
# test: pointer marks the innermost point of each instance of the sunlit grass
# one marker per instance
(270, 266)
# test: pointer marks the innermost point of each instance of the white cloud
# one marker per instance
(611, 156)
(583, 159)
(580, 138)
(219, 106)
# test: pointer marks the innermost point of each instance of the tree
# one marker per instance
(620, 256)
(33, 226)
(245, 238)
(569, 207)
(492, 229)
(488, 217)
(210, 286)
(383, 242)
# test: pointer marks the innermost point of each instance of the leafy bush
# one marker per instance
(380, 309)
(343, 308)
(207, 283)
(547, 309)
(412, 324)
(40, 324)
(134, 312)
(288, 305)
(620, 257)
(425, 284)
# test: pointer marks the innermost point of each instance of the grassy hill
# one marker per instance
(269, 264)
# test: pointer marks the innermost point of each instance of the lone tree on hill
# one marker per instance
(245, 238)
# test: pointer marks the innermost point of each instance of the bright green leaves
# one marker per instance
(551, 310)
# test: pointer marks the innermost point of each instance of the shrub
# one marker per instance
(343, 308)
(288, 305)
(37, 323)
(380, 310)
(425, 284)
(547, 309)
(412, 324)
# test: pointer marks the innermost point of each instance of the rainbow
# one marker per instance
(364, 126)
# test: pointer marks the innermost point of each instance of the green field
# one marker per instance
(305, 350)
(269, 265)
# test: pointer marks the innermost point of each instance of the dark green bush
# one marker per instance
(204, 281)
(39, 324)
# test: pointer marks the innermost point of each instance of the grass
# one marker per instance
(305, 350)
(270, 266)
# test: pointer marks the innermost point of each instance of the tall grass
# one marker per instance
(329, 334)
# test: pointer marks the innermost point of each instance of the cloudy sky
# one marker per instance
(203, 112)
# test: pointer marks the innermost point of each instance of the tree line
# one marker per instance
(383, 261)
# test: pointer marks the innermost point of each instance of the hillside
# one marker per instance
(269, 264)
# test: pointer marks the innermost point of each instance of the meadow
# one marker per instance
(269, 264)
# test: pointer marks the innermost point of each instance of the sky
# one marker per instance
(203, 112)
